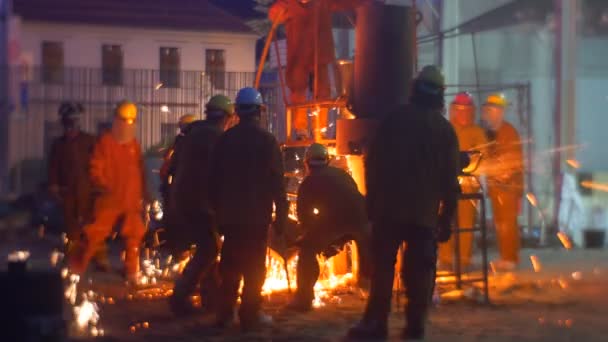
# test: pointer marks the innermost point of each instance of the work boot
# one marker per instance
(366, 330)
(101, 261)
(299, 305)
(505, 265)
(225, 321)
(181, 305)
(413, 334)
(261, 320)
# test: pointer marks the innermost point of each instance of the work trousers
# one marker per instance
(418, 271)
(243, 255)
(318, 242)
(466, 219)
(132, 231)
(298, 81)
(202, 268)
(505, 207)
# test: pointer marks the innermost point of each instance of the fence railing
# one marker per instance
(35, 98)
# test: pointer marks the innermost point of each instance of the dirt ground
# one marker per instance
(565, 301)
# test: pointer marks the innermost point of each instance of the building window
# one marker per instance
(215, 67)
(111, 62)
(52, 62)
(169, 67)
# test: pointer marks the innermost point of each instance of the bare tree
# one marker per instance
(261, 26)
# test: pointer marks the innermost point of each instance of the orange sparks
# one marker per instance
(535, 263)
(565, 240)
(532, 199)
(574, 163)
(595, 186)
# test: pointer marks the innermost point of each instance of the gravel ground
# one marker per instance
(565, 301)
(555, 304)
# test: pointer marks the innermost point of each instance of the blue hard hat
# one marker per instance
(249, 96)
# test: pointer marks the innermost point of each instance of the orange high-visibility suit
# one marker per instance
(505, 186)
(470, 137)
(117, 171)
(303, 20)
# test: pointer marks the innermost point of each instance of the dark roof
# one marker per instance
(189, 15)
(244, 9)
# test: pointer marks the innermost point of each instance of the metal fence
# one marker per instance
(35, 98)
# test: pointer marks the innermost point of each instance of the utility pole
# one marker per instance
(5, 11)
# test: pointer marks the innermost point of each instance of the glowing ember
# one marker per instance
(56, 256)
(574, 163)
(315, 211)
(276, 279)
(86, 314)
(536, 263)
(532, 199)
(577, 275)
(594, 186)
(565, 240)
(72, 290)
(19, 256)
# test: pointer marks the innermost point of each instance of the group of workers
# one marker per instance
(225, 193)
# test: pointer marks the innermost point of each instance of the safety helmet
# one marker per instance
(185, 120)
(248, 101)
(463, 99)
(70, 109)
(431, 74)
(219, 105)
(317, 154)
(497, 100)
(126, 110)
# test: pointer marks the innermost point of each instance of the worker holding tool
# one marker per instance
(117, 173)
(246, 181)
(505, 179)
(412, 197)
(189, 205)
(309, 43)
(471, 137)
(332, 212)
(69, 180)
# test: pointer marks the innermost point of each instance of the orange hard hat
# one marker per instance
(497, 100)
(126, 110)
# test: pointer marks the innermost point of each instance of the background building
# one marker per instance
(167, 56)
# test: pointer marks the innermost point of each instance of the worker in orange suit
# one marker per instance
(304, 21)
(118, 175)
(505, 175)
(471, 137)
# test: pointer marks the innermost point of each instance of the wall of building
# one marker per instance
(82, 45)
(525, 53)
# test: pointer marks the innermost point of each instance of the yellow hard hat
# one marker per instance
(185, 120)
(498, 100)
(127, 111)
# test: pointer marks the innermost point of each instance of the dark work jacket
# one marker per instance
(247, 177)
(189, 191)
(68, 169)
(412, 168)
(328, 198)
